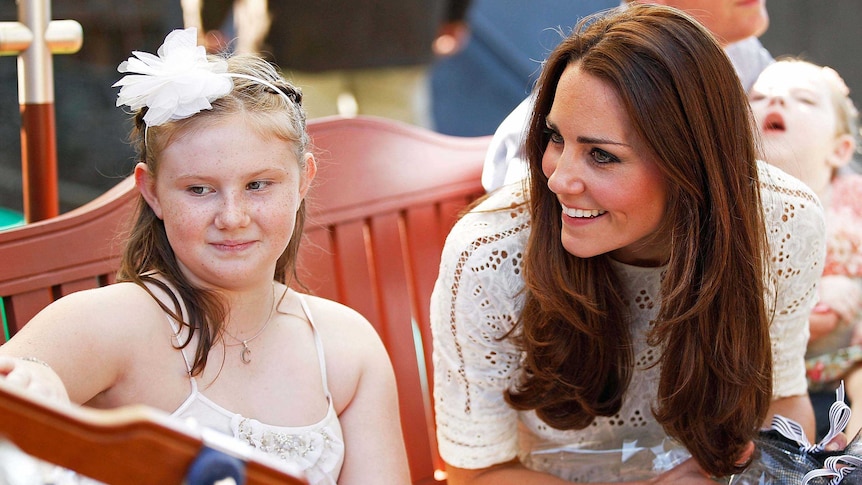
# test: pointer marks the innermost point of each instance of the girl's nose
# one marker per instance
(776, 99)
(233, 213)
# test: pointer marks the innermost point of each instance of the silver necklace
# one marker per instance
(245, 353)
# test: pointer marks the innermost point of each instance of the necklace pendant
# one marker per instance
(245, 354)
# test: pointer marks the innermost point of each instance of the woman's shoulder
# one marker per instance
(777, 186)
(788, 203)
(500, 221)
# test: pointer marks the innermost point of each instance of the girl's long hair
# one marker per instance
(685, 100)
(149, 259)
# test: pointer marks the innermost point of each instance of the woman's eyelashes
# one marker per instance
(553, 135)
(597, 155)
(602, 157)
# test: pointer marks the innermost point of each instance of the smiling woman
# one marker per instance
(625, 308)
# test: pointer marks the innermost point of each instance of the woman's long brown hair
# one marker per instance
(685, 100)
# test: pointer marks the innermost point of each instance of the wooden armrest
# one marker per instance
(128, 445)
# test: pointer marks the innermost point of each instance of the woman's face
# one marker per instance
(228, 197)
(792, 104)
(612, 192)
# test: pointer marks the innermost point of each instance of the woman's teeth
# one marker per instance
(580, 213)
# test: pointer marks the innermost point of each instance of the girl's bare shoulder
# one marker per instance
(102, 310)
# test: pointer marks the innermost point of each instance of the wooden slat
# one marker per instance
(20, 308)
(397, 313)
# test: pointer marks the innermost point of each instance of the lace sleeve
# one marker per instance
(796, 231)
(473, 306)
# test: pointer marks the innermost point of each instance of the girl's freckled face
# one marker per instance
(228, 197)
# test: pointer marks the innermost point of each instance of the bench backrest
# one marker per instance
(385, 197)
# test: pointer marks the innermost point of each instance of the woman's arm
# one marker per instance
(505, 473)
(797, 408)
(687, 473)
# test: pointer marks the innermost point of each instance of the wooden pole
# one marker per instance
(34, 38)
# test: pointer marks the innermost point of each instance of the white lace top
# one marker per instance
(478, 297)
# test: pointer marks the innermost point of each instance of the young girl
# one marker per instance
(644, 298)
(202, 323)
(808, 125)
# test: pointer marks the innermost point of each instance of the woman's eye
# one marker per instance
(601, 156)
(553, 136)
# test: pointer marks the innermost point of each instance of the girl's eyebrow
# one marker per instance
(209, 176)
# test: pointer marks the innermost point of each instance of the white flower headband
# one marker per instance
(180, 82)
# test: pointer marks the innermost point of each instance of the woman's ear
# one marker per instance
(842, 151)
(146, 184)
(310, 170)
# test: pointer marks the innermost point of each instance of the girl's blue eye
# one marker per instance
(198, 190)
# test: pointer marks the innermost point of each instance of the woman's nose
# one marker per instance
(567, 176)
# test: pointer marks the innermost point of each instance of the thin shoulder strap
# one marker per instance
(176, 330)
(317, 342)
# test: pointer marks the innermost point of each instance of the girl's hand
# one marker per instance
(33, 376)
(822, 321)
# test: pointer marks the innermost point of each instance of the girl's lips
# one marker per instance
(232, 245)
(773, 122)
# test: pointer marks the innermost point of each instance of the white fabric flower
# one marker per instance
(178, 83)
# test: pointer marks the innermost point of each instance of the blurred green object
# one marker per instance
(3, 319)
(10, 218)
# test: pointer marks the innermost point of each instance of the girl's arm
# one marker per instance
(373, 441)
(81, 339)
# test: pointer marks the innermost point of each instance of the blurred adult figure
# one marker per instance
(348, 56)
(473, 90)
